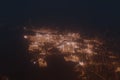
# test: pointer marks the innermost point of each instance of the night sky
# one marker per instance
(92, 16)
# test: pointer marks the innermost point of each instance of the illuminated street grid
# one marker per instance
(87, 54)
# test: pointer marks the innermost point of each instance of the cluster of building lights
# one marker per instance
(69, 44)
